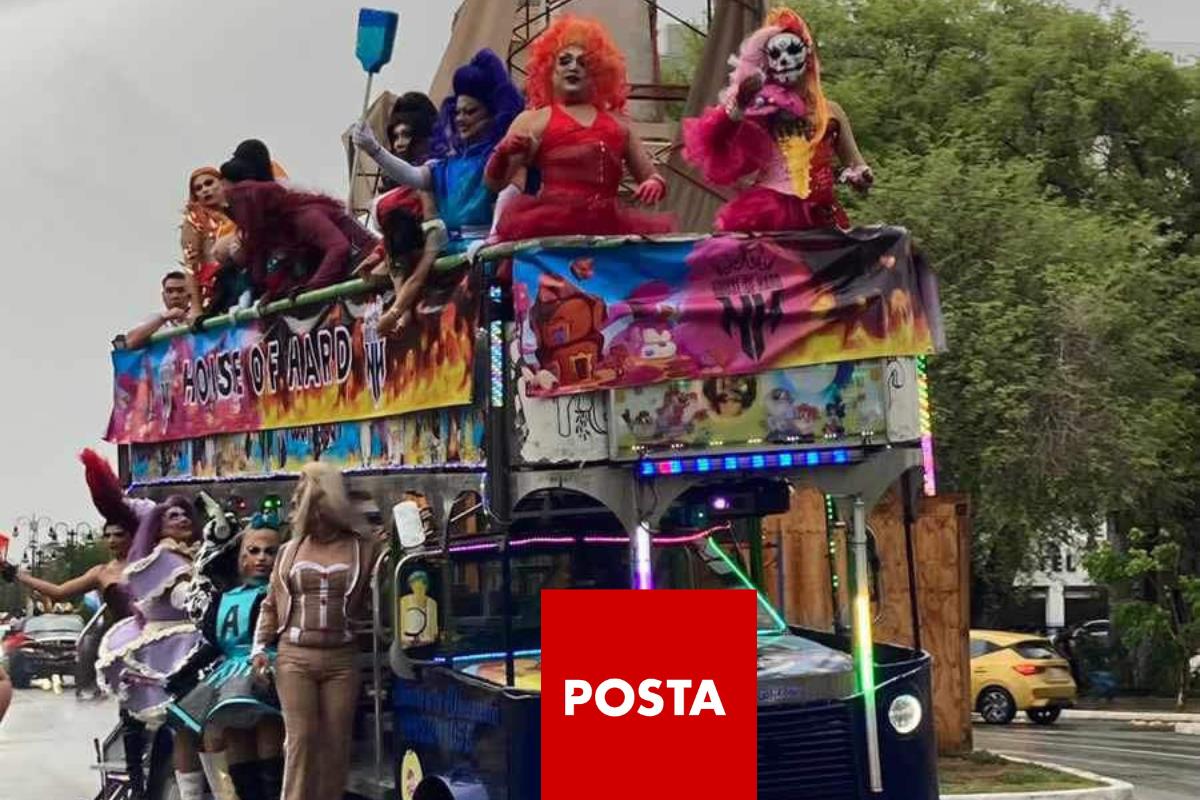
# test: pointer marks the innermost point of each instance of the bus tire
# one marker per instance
(996, 706)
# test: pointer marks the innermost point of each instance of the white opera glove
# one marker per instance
(364, 138)
(391, 165)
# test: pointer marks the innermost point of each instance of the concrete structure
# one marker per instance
(1069, 594)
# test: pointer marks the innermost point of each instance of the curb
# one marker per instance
(1112, 790)
(1190, 728)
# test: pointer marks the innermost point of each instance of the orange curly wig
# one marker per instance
(605, 63)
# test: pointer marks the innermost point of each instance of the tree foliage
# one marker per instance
(1164, 612)
(1049, 165)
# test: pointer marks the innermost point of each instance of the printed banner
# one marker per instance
(555, 430)
(825, 404)
(291, 371)
(649, 312)
(443, 438)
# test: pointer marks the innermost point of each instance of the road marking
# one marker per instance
(1066, 738)
(1158, 753)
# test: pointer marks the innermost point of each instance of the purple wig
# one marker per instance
(149, 531)
(486, 79)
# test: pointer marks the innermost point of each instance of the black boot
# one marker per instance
(247, 779)
(272, 778)
(133, 736)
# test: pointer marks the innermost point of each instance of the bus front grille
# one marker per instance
(806, 753)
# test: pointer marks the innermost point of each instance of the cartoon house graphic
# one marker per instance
(566, 323)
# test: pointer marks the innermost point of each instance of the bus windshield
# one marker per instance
(475, 622)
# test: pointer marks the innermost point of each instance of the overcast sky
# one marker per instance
(107, 106)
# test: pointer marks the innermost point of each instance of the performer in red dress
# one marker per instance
(577, 137)
(775, 126)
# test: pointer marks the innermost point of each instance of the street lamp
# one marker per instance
(31, 527)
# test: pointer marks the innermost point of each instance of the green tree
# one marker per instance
(1164, 609)
(1048, 165)
(1107, 121)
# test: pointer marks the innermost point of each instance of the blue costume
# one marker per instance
(225, 693)
(464, 202)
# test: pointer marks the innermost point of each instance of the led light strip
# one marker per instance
(648, 468)
(565, 540)
(741, 576)
(925, 417)
(643, 570)
(496, 354)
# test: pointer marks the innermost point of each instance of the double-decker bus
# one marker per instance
(550, 421)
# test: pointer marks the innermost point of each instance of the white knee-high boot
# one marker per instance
(191, 785)
(216, 769)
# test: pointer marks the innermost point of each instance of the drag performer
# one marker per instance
(120, 520)
(473, 119)
(292, 241)
(577, 135)
(141, 651)
(217, 701)
(209, 239)
(252, 161)
(775, 124)
(318, 588)
(104, 579)
(408, 218)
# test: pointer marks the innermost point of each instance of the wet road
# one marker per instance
(46, 745)
(1161, 764)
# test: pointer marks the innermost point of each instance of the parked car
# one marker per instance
(1013, 672)
(1098, 631)
(44, 646)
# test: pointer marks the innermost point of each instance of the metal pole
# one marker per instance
(377, 665)
(499, 495)
(781, 574)
(354, 160)
(864, 647)
(910, 518)
(754, 542)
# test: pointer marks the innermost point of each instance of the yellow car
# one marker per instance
(1013, 672)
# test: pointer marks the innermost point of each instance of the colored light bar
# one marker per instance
(925, 417)
(864, 643)
(496, 353)
(643, 573)
(474, 657)
(749, 462)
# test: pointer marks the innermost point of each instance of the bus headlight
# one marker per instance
(905, 714)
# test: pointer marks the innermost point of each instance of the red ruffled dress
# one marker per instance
(726, 151)
(581, 168)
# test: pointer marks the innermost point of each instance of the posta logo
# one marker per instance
(649, 694)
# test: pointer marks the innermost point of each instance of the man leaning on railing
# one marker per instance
(176, 302)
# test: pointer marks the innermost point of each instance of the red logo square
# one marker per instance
(640, 741)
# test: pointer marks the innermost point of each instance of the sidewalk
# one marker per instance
(1138, 703)
(1136, 709)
